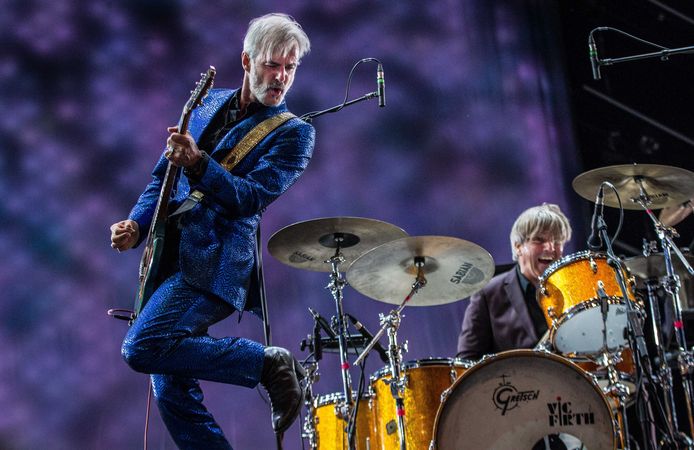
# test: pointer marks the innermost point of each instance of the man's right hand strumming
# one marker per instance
(124, 234)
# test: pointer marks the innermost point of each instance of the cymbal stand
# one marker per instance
(391, 323)
(663, 377)
(672, 285)
(336, 285)
(614, 387)
(635, 334)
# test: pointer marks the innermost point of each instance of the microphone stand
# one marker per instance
(308, 117)
(663, 54)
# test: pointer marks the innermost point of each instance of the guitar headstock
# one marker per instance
(202, 87)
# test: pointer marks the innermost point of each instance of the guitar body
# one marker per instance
(149, 271)
(150, 263)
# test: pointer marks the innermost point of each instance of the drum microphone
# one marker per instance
(364, 332)
(381, 86)
(322, 323)
(594, 61)
(595, 240)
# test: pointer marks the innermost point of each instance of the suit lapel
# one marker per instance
(212, 103)
(245, 126)
(515, 296)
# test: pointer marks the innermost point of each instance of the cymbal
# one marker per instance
(453, 268)
(653, 266)
(307, 245)
(666, 185)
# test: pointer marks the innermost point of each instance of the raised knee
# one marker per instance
(136, 356)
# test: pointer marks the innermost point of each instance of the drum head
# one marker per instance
(515, 399)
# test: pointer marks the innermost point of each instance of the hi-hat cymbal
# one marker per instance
(653, 266)
(307, 245)
(453, 269)
(665, 185)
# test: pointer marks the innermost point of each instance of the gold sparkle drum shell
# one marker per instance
(425, 381)
(330, 425)
(568, 295)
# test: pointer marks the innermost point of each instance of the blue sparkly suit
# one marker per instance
(216, 257)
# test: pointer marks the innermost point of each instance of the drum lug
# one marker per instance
(444, 394)
(552, 315)
(593, 265)
(454, 375)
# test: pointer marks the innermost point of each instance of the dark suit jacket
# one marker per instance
(497, 319)
(217, 246)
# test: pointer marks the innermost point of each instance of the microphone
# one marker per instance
(364, 332)
(322, 323)
(593, 54)
(381, 86)
(317, 344)
(595, 240)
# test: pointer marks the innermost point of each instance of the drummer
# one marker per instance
(505, 315)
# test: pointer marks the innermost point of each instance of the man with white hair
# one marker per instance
(505, 314)
(210, 256)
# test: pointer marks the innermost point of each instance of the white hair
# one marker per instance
(544, 219)
(275, 33)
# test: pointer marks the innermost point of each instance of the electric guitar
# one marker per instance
(150, 262)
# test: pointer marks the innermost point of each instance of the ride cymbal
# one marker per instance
(453, 269)
(309, 244)
(664, 185)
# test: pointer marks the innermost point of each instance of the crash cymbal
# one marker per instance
(453, 268)
(307, 245)
(653, 266)
(666, 185)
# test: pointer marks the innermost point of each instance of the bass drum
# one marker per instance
(517, 399)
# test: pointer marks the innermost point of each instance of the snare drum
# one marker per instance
(568, 295)
(425, 381)
(514, 399)
(330, 425)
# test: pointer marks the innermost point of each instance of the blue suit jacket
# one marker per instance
(217, 246)
(497, 319)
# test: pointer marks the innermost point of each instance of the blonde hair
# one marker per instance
(274, 33)
(544, 219)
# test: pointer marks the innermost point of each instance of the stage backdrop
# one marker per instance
(476, 129)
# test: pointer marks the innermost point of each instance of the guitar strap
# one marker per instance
(240, 150)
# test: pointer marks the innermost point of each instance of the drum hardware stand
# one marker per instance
(634, 320)
(663, 377)
(391, 323)
(672, 285)
(336, 285)
(614, 387)
(308, 430)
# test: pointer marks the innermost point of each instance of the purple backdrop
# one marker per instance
(476, 129)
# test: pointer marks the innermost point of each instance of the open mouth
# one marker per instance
(545, 261)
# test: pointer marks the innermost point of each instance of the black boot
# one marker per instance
(281, 376)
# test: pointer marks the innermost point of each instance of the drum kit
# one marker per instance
(593, 363)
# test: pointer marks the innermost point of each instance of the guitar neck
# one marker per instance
(169, 179)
